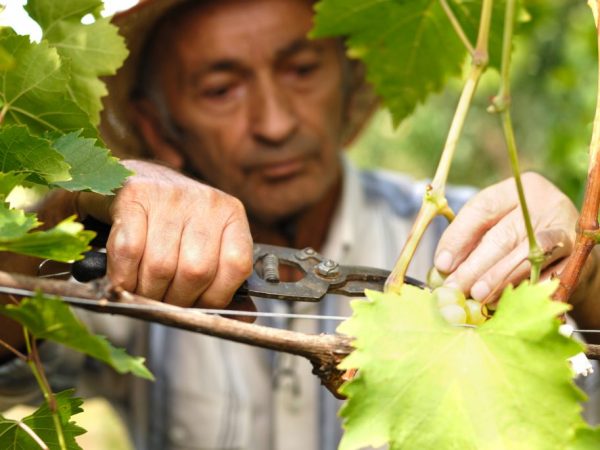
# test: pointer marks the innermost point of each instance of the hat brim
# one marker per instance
(118, 126)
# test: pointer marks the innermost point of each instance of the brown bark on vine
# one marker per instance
(324, 351)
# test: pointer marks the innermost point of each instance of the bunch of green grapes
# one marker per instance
(453, 305)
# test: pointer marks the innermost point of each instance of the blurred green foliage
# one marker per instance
(554, 81)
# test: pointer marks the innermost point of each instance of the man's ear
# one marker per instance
(153, 132)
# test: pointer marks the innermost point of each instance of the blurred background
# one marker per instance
(554, 91)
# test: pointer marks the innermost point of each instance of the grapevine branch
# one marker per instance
(324, 351)
(434, 201)
(501, 104)
(587, 225)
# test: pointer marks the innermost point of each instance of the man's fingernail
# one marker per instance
(480, 290)
(443, 262)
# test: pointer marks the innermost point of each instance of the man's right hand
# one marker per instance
(173, 238)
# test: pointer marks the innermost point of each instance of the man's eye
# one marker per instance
(217, 92)
(304, 70)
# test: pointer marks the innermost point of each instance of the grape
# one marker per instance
(454, 314)
(445, 295)
(435, 278)
(476, 312)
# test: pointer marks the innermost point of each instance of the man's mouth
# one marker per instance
(284, 169)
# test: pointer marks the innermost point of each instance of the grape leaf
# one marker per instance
(14, 437)
(14, 223)
(422, 383)
(8, 181)
(409, 47)
(93, 50)
(92, 168)
(22, 152)
(593, 4)
(7, 61)
(51, 318)
(586, 439)
(65, 242)
(33, 93)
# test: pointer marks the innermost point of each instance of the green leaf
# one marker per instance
(65, 242)
(33, 93)
(586, 439)
(409, 47)
(7, 61)
(8, 181)
(22, 152)
(50, 318)
(94, 50)
(593, 4)
(14, 437)
(92, 168)
(14, 223)
(424, 384)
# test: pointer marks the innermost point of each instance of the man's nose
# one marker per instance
(272, 115)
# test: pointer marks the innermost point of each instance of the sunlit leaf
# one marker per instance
(92, 167)
(22, 152)
(14, 223)
(65, 242)
(34, 92)
(586, 439)
(8, 181)
(7, 61)
(52, 319)
(14, 437)
(594, 6)
(423, 383)
(93, 50)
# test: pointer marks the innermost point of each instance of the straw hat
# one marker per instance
(117, 125)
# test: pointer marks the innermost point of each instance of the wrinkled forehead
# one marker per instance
(215, 25)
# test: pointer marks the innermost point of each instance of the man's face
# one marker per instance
(258, 107)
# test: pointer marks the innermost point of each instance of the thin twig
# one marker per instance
(501, 104)
(457, 27)
(13, 350)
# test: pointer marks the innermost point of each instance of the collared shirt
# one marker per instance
(215, 394)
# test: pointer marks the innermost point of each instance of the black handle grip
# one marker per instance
(102, 231)
(91, 267)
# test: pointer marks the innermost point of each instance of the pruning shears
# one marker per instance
(318, 276)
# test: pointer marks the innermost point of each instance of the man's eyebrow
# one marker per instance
(298, 46)
(222, 65)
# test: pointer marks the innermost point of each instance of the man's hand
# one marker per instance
(174, 239)
(486, 246)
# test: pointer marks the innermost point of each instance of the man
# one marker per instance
(234, 94)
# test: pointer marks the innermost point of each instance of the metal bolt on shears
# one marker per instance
(316, 275)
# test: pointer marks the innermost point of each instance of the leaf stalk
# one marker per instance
(35, 365)
(457, 27)
(434, 200)
(501, 105)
